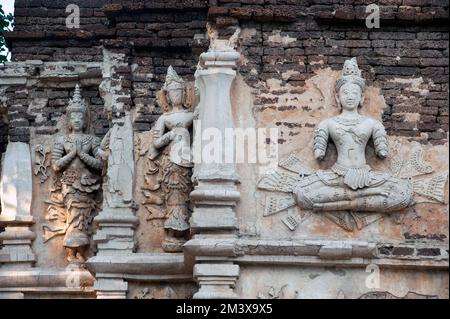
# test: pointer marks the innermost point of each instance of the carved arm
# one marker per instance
(321, 140)
(159, 138)
(380, 141)
(94, 162)
(102, 150)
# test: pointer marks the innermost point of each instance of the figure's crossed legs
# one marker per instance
(345, 199)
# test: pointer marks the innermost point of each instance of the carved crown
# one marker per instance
(350, 74)
(77, 103)
(173, 80)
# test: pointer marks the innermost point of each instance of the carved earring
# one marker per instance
(336, 96)
(184, 97)
(362, 100)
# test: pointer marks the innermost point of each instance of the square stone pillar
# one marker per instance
(215, 194)
(16, 192)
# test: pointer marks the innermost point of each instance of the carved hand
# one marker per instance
(319, 154)
(383, 153)
(78, 148)
(155, 134)
(73, 152)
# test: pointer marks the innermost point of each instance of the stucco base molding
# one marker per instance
(216, 281)
(59, 281)
(114, 271)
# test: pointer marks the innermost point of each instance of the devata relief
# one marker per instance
(350, 193)
(169, 160)
(77, 166)
(224, 149)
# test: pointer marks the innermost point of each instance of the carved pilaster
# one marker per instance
(16, 195)
(216, 281)
(117, 221)
(215, 194)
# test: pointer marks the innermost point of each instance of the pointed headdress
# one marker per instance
(77, 103)
(350, 74)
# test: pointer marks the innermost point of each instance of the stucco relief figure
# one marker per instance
(170, 160)
(350, 193)
(351, 184)
(77, 166)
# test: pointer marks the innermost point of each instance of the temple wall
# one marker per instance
(290, 54)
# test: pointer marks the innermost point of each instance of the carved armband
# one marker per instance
(163, 140)
(320, 140)
(58, 160)
(380, 140)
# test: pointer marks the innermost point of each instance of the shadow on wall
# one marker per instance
(3, 129)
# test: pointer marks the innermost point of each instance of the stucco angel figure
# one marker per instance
(350, 193)
(77, 164)
(351, 184)
(170, 152)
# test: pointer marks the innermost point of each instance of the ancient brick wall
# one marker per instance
(407, 57)
(291, 54)
(152, 36)
(288, 40)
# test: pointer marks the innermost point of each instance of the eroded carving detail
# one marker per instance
(388, 295)
(416, 169)
(77, 166)
(412, 167)
(350, 194)
(273, 293)
(41, 162)
(168, 174)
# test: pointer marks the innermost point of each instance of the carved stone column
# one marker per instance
(16, 192)
(215, 194)
(117, 221)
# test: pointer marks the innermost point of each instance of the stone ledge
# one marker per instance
(322, 249)
(44, 279)
(138, 263)
(314, 261)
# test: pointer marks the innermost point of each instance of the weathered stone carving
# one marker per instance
(388, 295)
(351, 185)
(350, 194)
(432, 187)
(77, 164)
(117, 151)
(41, 162)
(273, 293)
(169, 162)
(16, 189)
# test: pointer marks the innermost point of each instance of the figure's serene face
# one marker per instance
(350, 96)
(77, 121)
(175, 96)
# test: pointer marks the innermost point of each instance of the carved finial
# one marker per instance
(350, 73)
(173, 80)
(77, 103)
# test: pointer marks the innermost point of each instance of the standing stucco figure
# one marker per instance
(76, 162)
(351, 184)
(170, 151)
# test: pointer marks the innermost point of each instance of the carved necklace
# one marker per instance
(84, 139)
(349, 121)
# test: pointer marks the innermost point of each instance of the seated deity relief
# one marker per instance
(169, 164)
(77, 169)
(350, 193)
(351, 184)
